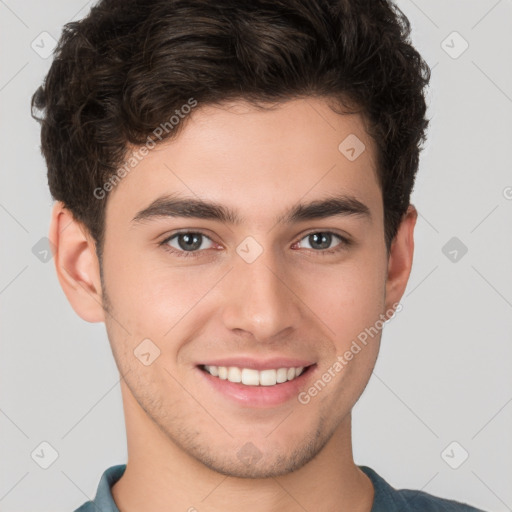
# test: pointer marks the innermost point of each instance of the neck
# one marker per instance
(160, 477)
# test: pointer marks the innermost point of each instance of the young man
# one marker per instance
(232, 183)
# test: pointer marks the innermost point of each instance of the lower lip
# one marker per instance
(259, 396)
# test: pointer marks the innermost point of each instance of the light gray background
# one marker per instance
(444, 368)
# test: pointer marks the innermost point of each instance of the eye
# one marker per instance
(186, 243)
(321, 240)
(191, 243)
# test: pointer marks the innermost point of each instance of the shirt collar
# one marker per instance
(386, 499)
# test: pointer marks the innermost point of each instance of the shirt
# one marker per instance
(386, 498)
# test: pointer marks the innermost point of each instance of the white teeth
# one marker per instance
(234, 374)
(268, 377)
(282, 375)
(251, 377)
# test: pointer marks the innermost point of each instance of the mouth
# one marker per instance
(253, 377)
(271, 384)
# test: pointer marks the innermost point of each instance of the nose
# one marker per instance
(260, 299)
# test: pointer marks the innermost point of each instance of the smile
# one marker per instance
(252, 377)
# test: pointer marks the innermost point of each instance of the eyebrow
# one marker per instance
(189, 207)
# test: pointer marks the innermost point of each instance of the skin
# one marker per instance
(183, 436)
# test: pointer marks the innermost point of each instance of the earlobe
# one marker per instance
(76, 264)
(400, 258)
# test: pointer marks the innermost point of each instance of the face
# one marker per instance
(262, 292)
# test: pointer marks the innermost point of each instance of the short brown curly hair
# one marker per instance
(130, 64)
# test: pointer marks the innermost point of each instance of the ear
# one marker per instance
(400, 258)
(76, 264)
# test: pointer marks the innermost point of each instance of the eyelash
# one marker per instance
(345, 242)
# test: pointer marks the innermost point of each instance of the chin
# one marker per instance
(256, 461)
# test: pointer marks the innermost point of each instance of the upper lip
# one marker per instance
(258, 364)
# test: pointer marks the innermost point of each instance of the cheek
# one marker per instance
(349, 297)
(151, 296)
(158, 300)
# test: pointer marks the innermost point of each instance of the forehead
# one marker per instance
(257, 162)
